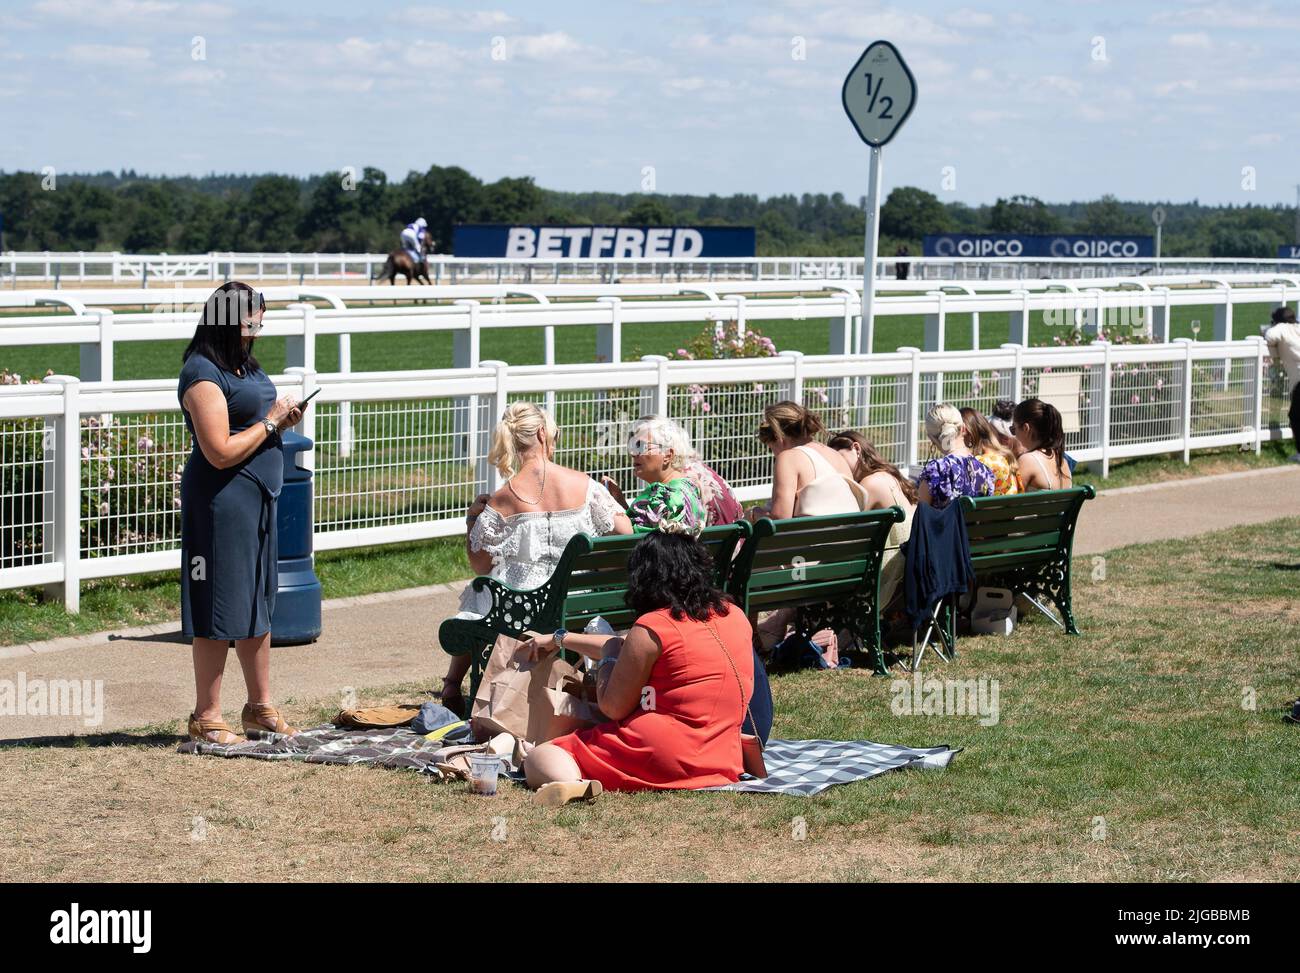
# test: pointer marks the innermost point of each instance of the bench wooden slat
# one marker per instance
(1047, 541)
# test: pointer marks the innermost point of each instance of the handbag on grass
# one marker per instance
(751, 747)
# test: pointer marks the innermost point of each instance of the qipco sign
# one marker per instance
(963, 245)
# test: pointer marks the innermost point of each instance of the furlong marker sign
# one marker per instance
(617, 242)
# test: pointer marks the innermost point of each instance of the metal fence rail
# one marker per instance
(90, 471)
(93, 267)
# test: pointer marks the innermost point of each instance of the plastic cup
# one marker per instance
(483, 771)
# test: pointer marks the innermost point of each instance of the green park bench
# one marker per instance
(589, 580)
(1024, 542)
(827, 567)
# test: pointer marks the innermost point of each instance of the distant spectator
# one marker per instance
(956, 473)
(1037, 425)
(983, 441)
(902, 268)
(1283, 338)
(1000, 420)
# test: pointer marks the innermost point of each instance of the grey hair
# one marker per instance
(669, 435)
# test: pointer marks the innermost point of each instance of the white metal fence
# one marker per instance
(83, 267)
(92, 323)
(90, 472)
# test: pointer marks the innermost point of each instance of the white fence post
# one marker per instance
(497, 405)
(1018, 376)
(1187, 398)
(300, 351)
(609, 337)
(97, 359)
(913, 410)
(796, 381)
(1020, 321)
(307, 426)
(1159, 327)
(66, 492)
(1261, 347)
(1105, 407)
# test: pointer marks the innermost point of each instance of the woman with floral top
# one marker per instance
(956, 473)
(673, 498)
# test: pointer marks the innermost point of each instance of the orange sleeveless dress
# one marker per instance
(691, 738)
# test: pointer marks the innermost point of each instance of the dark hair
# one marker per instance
(1045, 421)
(1283, 315)
(871, 461)
(217, 335)
(1003, 409)
(673, 571)
(787, 420)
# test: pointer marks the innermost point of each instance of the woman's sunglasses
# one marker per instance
(639, 447)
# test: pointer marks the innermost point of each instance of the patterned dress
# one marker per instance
(1004, 481)
(952, 476)
(674, 507)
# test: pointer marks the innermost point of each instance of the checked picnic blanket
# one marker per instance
(799, 767)
(808, 767)
(394, 747)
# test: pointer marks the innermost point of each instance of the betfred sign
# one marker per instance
(1038, 245)
(615, 242)
(1288, 251)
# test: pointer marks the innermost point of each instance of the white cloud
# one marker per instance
(137, 13)
(1264, 138)
(1173, 87)
(1200, 39)
(965, 17)
(455, 20)
(543, 47)
(108, 54)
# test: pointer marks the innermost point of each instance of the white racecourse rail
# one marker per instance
(57, 267)
(89, 471)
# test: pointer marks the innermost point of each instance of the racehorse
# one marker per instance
(400, 262)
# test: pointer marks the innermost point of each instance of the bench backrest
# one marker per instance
(803, 560)
(1022, 530)
(597, 573)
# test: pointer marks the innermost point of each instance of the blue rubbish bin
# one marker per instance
(296, 620)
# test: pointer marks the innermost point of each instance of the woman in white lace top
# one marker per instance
(518, 533)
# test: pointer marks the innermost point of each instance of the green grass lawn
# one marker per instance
(1148, 749)
(523, 346)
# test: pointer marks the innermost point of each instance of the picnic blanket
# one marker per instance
(808, 767)
(799, 767)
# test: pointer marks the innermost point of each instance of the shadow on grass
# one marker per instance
(72, 741)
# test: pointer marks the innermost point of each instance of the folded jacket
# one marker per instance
(375, 717)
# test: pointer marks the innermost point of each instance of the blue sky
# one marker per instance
(1064, 100)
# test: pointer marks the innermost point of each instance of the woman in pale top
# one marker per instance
(985, 443)
(955, 473)
(884, 487)
(809, 478)
(1037, 425)
(517, 534)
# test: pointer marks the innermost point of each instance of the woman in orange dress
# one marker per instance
(676, 688)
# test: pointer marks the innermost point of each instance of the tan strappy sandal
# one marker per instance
(259, 719)
(212, 731)
(560, 792)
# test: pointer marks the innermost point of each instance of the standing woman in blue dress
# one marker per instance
(228, 509)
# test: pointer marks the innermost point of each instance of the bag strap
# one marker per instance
(739, 684)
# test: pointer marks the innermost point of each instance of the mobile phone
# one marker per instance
(309, 398)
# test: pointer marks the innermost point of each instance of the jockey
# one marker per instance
(412, 240)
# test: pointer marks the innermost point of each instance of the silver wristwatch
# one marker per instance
(558, 636)
(271, 427)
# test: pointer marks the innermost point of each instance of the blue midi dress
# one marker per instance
(228, 517)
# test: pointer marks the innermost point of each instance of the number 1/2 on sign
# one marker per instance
(879, 93)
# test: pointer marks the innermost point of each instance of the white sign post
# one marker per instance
(878, 95)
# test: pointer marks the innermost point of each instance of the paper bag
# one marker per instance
(534, 701)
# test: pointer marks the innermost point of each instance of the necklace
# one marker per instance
(542, 493)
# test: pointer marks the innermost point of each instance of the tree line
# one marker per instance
(364, 211)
